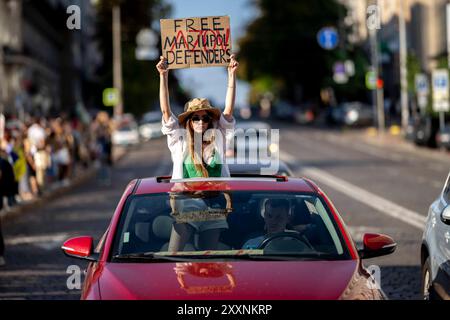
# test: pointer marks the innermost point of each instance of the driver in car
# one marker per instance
(276, 214)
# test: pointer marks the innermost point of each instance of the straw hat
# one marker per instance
(198, 104)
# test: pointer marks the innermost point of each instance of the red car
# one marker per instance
(265, 237)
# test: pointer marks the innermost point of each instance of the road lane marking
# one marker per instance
(85, 216)
(376, 150)
(8, 295)
(52, 238)
(437, 184)
(365, 149)
(32, 273)
(372, 200)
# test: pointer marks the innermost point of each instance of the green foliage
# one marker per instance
(413, 68)
(281, 44)
(140, 78)
(263, 85)
(355, 88)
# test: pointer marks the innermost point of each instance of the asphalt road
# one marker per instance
(375, 188)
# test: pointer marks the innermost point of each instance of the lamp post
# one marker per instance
(403, 69)
(117, 60)
(377, 94)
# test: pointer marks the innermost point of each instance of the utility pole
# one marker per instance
(403, 68)
(117, 60)
(2, 83)
(447, 18)
(377, 94)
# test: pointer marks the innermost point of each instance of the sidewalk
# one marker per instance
(396, 142)
(55, 190)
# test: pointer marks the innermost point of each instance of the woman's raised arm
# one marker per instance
(164, 102)
(231, 88)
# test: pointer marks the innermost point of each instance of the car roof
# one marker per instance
(255, 167)
(245, 183)
(252, 125)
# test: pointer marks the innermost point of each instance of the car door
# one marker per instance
(442, 236)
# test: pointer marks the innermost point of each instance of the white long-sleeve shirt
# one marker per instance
(176, 141)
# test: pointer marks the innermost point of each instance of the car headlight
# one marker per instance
(445, 138)
(352, 116)
(273, 148)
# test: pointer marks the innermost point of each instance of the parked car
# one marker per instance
(249, 137)
(435, 250)
(443, 138)
(242, 166)
(410, 133)
(353, 114)
(246, 238)
(150, 125)
(425, 130)
(284, 111)
(126, 132)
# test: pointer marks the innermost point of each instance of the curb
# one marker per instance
(80, 179)
(404, 145)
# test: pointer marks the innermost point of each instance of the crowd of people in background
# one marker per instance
(45, 153)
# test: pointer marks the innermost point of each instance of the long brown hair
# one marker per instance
(197, 159)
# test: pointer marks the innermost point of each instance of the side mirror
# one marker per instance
(446, 215)
(81, 248)
(376, 245)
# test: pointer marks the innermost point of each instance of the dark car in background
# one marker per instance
(250, 139)
(443, 138)
(435, 251)
(353, 114)
(238, 167)
(150, 125)
(422, 130)
(126, 132)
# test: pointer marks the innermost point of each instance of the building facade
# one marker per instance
(44, 66)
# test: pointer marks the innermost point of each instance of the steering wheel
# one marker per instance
(294, 235)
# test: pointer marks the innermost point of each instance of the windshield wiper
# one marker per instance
(155, 257)
(148, 256)
(301, 256)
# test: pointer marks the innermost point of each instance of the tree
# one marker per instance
(281, 45)
(140, 79)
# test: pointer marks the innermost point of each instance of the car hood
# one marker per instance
(227, 280)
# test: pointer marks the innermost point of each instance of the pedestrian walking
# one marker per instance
(8, 185)
(103, 136)
(2, 246)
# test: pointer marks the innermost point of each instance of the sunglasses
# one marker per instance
(205, 118)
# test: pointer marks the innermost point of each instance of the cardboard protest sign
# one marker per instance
(196, 42)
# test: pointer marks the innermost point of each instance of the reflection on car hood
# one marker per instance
(227, 280)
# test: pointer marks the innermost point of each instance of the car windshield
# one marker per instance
(126, 128)
(228, 225)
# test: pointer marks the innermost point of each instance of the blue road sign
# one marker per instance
(328, 38)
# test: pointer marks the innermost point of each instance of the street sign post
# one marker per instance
(111, 97)
(422, 90)
(447, 10)
(2, 126)
(440, 94)
(349, 68)
(146, 41)
(339, 73)
(328, 38)
(371, 80)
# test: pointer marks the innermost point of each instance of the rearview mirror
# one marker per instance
(80, 247)
(446, 215)
(376, 245)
